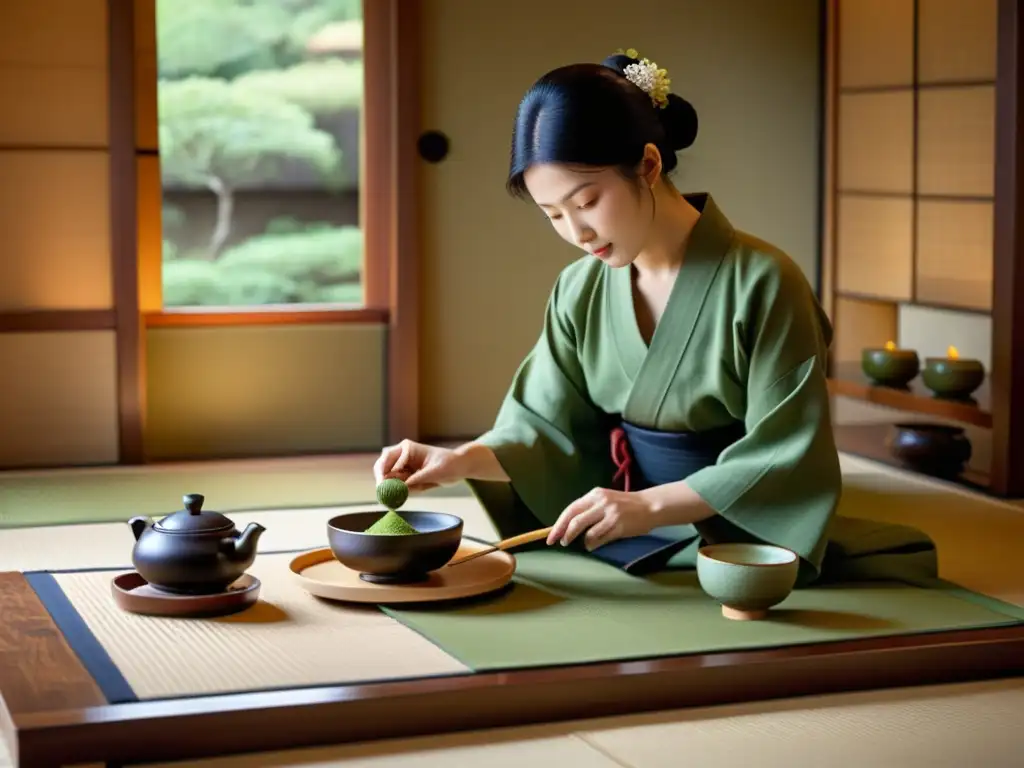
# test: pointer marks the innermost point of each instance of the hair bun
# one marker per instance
(619, 62)
(679, 119)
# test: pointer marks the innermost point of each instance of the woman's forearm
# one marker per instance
(478, 462)
(676, 504)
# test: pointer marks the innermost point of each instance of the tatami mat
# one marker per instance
(976, 724)
(290, 639)
(108, 494)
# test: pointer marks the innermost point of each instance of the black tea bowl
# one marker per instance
(395, 559)
(938, 449)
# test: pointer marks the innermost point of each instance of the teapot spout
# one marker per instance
(138, 525)
(244, 547)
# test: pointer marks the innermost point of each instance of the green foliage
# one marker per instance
(224, 38)
(218, 37)
(239, 99)
(323, 86)
(192, 282)
(322, 264)
(327, 254)
(342, 293)
(212, 130)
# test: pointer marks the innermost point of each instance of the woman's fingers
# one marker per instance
(602, 532)
(385, 463)
(562, 523)
(596, 498)
(576, 519)
(399, 460)
(581, 522)
(424, 477)
(405, 454)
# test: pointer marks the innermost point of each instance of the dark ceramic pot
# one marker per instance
(938, 449)
(191, 551)
(395, 559)
(890, 368)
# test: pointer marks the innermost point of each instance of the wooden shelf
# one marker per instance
(848, 380)
(880, 299)
(868, 441)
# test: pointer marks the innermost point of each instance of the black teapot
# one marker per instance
(191, 551)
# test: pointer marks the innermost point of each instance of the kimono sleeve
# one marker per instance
(549, 437)
(782, 482)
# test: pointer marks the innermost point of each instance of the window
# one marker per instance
(260, 121)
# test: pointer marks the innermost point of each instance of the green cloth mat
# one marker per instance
(566, 608)
(111, 495)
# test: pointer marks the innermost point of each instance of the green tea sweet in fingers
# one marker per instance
(392, 493)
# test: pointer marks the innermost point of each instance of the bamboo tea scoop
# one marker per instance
(515, 541)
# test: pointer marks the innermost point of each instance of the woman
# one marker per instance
(677, 393)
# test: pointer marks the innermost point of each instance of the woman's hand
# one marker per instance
(605, 515)
(423, 467)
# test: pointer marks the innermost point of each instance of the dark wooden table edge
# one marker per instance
(180, 729)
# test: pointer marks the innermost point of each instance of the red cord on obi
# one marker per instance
(622, 457)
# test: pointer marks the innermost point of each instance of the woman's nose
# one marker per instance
(581, 234)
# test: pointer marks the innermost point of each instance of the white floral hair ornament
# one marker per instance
(648, 77)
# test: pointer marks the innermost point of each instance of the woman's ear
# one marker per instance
(650, 165)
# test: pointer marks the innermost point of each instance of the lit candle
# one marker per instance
(890, 366)
(952, 375)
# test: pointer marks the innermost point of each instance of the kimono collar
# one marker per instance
(713, 234)
(652, 368)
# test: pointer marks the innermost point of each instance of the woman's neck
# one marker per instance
(674, 220)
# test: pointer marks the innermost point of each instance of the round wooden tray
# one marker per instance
(134, 594)
(320, 574)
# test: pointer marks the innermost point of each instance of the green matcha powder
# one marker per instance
(391, 524)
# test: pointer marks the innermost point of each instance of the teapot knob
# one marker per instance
(194, 503)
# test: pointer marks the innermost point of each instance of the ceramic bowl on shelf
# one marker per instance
(952, 377)
(389, 558)
(747, 579)
(889, 366)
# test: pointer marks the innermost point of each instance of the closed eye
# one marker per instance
(581, 207)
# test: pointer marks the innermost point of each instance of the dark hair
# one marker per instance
(590, 114)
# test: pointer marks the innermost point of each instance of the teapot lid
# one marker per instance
(192, 519)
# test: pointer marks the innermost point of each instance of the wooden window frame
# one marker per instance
(390, 117)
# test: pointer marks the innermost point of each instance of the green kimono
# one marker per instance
(742, 341)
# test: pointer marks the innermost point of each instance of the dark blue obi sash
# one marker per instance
(646, 458)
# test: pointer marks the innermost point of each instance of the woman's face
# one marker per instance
(599, 211)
